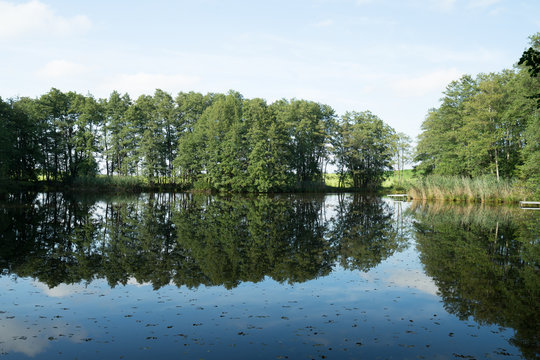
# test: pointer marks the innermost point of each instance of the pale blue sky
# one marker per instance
(391, 57)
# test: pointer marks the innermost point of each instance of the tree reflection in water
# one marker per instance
(485, 262)
(191, 239)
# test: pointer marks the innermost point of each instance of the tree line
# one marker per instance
(212, 141)
(488, 124)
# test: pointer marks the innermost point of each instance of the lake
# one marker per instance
(189, 276)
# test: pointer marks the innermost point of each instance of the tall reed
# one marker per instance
(458, 188)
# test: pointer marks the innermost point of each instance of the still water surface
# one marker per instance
(272, 277)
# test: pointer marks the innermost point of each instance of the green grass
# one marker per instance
(483, 189)
(390, 184)
(394, 185)
(332, 180)
(435, 187)
(126, 183)
(479, 189)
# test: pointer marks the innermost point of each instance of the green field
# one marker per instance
(391, 182)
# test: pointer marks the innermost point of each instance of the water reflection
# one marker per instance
(192, 240)
(365, 234)
(247, 262)
(485, 262)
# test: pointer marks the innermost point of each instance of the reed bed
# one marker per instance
(458, 188)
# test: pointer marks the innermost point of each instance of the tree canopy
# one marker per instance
(213, 141)
(486, 124)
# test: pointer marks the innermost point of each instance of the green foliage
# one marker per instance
(308, 126)
(399, 181)
(269, 167)
(363, 149)
(219, 142)
(531, 152)
(118, 134)
(438, 143)
(18, 151)
(531, 59)
(484, 125)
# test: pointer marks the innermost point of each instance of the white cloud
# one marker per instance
(135, 282)
(37, 19)
(18, 337)
(324, 23)
(59, 291)
(483, 3)
(372, 21)
(445, 5)
(146, 83)
(414, 279)
(61, 68)
(422, 85)
(363, 2)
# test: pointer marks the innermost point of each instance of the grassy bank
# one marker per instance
(449, 188)
(124, 184)
(392, 184)
(101, 183)
(478, 189)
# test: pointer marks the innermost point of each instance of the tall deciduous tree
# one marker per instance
(439, 144)
(365, 151)
(19, 152)
(307, 123)
(401, 153)
(116, 134)
(166, 116)
(269, 161)
(530, 169)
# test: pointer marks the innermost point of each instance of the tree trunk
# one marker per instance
(497, 164)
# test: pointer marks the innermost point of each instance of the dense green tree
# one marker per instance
(117, 134)
(214, 141)
(269, 166)
(151, 145)
(485, 125)
(88, 115)
(479, 127)
(166, 115)
(220, 149)
(439, 142)
(57, 128)
(190, 107)
(531, 59)
(19, 152)
(530, 170)
(401, 153)
(307, 124)
(485, 129)
(189, 162)
(531, 151)
(363, 149)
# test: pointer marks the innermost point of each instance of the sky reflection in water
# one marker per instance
(390, 311)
